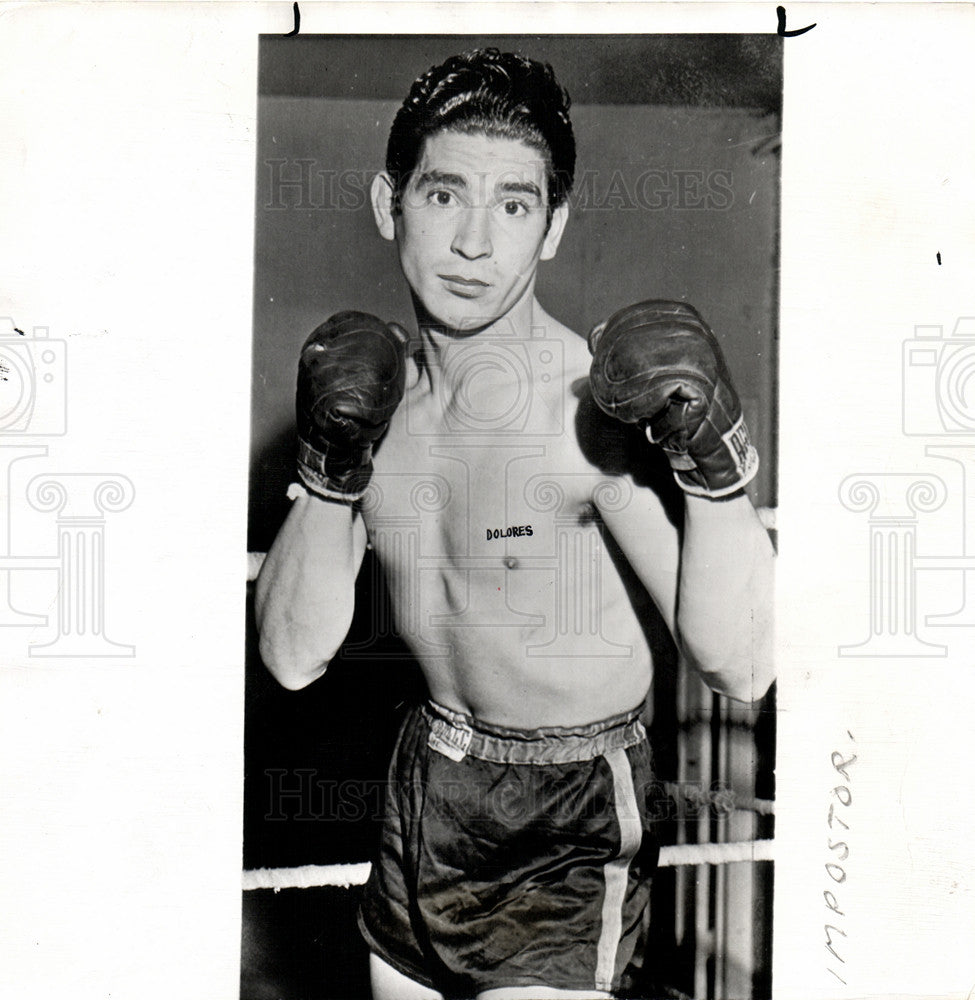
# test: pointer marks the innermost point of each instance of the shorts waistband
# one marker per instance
(457, 735)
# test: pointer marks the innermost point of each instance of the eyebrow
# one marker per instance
(429, 177)
(521, 187)
(432, 177)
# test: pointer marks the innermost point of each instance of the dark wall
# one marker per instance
(701, 70)
(676, 197)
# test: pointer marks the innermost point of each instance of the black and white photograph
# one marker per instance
(520, 515)
(486, 500)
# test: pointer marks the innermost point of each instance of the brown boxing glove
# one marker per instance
(351, 378)
(657, 364)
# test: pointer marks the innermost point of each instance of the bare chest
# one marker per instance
(498, 568)
(463, 493)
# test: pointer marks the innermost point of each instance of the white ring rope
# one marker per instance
(307, 877)
(344, 876)
(675, 855)
(723, 800)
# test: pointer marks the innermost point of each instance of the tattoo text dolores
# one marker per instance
(841, 798)
(516, 530)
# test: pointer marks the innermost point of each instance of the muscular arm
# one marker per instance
(712, 582)
(658, 366)
(351, 377)
(305, 593)
(724, 601)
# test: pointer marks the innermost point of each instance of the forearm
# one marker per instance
(305, 593)
(724, 607)
(658, 364)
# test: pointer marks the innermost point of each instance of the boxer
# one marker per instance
(518, 848)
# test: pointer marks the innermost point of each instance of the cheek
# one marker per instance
(522, 258)
(422, 242)
(415, 253)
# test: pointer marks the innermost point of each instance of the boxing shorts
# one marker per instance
(513, 857)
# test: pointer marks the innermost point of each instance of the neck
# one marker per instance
(450, 357)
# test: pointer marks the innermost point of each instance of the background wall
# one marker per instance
(676, 197)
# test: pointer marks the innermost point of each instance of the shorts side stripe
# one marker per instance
(615, 872)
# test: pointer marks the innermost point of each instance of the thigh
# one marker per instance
(388, 984)
(539, 993)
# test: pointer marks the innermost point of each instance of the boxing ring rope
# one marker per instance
(723, 800)
(671, 855)
(345, 876)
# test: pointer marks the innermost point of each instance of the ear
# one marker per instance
(381, 194)
(554, 235)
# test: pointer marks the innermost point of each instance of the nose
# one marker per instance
(472, 238)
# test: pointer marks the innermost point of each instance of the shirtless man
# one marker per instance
(491, 464)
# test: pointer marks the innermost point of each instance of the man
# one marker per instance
(491, 464)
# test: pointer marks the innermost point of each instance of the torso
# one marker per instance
(481, 512)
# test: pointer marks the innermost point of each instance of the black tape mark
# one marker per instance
(294, 31)
(780, 14)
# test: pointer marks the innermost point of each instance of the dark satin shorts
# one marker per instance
(512, 857)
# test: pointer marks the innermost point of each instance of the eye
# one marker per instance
(441, 198)
(514, 208)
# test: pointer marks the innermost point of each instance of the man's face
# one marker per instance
(472, 227)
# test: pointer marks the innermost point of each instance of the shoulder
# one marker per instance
(606, 444)
(569, 348)
(601, 439)
(620, 450)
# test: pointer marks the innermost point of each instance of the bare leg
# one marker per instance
(388, 984)
(538, 993)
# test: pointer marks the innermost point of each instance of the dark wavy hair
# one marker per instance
(487, 92)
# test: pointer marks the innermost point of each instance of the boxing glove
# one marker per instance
(351, 377)
(657, 364)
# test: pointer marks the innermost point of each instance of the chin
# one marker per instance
(464, 320)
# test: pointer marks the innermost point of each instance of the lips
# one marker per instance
(457, 279)
(464, 288)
